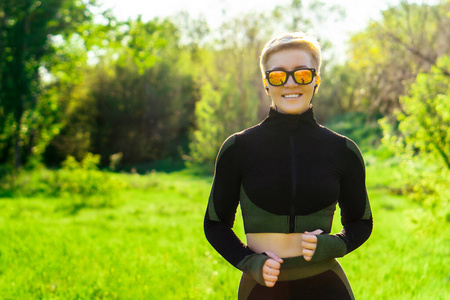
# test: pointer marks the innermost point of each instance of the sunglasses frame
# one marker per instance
(291, 73)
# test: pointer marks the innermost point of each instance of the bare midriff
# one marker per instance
(282, 244)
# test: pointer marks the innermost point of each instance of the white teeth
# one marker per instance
(291, 96)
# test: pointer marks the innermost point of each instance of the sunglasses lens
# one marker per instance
(303, 76)
(277, 77)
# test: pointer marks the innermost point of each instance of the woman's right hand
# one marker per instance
(271, 269)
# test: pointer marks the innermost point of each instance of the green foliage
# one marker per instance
(209, 134)
(108, 86)
(422, 139)
(27, 28)
(231, 89)
(131, 87)
(145, 41)
(384, 60)
(357, 126)
(83, 178)
(219, 114)
(137, 100)
(337, 94)
(80, 184)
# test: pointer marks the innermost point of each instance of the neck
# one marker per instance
(275, 108)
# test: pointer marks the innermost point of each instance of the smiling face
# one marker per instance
(291, 98)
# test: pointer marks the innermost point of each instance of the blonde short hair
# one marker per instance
(292, 40)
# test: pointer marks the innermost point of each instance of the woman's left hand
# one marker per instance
(309, 243)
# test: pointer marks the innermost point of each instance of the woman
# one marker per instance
(288, 173)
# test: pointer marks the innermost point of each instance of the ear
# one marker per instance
(266, 86)
(316, 87)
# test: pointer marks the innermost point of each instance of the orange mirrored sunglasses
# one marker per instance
(301, 76)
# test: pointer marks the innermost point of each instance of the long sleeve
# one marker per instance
(221, 210)
(356, 215)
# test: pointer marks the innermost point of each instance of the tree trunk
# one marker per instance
(17, 150)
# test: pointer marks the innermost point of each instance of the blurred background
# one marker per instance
(107, 107)
(164, 84)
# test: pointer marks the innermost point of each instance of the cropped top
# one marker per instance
(287, 173)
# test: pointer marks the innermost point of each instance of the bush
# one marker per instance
(81, 183)
(421, 138)
(357, 126)
(82, 178)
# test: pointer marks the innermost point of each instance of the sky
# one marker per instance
(358, 12)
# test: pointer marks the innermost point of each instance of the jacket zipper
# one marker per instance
(294, 188)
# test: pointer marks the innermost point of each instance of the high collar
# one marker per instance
(304, 120)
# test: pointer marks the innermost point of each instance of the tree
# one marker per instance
(231, 88)
(27, 29)
(422, 138)
(387, 56)
(138, 99)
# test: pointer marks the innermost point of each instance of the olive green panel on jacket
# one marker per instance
(367, 212)
(352, 146)
(257, 220)
(211, 211)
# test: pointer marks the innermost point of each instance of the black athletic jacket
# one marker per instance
(287, 173)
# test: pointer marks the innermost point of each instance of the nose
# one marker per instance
(290, 81)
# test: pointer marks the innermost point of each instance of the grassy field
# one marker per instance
(150, 245)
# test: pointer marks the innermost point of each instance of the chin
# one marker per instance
(292, 110)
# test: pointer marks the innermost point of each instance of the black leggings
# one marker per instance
(301, 280)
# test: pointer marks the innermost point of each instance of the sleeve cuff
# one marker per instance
(252, 265)
(329, 246)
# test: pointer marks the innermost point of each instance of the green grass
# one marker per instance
(150, 245)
